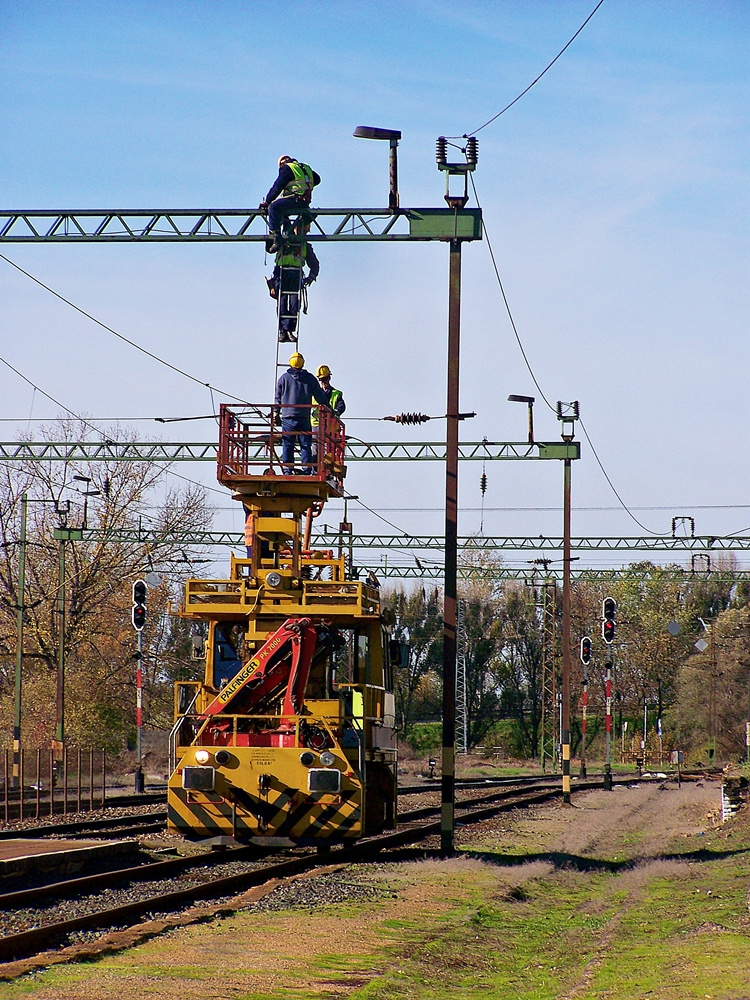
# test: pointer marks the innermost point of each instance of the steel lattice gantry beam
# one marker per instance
(467, 543)
(356, 451)
(510, 573)
(213, 225)
(153, 538)
(535, 543)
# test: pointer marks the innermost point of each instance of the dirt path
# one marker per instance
(407, 920)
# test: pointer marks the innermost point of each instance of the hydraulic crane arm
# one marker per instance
(284, 659)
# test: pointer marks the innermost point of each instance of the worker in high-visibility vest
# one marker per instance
(287, 282)
(335, 403)
(335, 396)
(289, 194)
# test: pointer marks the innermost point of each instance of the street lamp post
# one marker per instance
(19, 643)
(391, 136)
(62, 509)
(65, 534)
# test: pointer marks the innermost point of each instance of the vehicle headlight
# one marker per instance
(327, 758)
(202, 756)
(273, 579)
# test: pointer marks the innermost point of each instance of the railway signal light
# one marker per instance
(138, 612)
(586, 649)
(609, 613)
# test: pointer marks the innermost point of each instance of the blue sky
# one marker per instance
(614, 193)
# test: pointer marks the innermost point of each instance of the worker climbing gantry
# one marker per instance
(289, 220)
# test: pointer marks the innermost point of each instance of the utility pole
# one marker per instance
(609, 613)
(19, 643)
(462, 728)
(567, 413)
(448, 785)
(62, 535)
(608, 723)
(566, 637)
(139, 614)
(456, 203)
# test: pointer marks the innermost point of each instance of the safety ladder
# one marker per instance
(287, 313)
(289, 298)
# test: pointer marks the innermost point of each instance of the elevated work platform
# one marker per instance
(259, 475)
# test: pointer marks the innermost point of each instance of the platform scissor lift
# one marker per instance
(291, 731)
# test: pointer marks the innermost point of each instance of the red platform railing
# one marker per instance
(251, 442)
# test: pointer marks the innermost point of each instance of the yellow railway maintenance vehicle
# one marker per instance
(290, 734)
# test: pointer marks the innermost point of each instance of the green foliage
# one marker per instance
(508, 737)
(425, 738)
(714, 690)
(418, 623)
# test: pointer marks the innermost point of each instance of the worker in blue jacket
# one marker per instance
(295, 392)
(289, 194)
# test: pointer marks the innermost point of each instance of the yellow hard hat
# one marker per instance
(324, 371)
(296, 360)
(285, 159)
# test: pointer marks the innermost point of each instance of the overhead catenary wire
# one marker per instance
(52, 399)
(508, 309)
(612, 487)
(98, 430)
(212, 489)
(536, 80)
(120, 336)
(536, 381)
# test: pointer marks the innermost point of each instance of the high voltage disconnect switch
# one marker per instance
(139, 604)
(609, 612)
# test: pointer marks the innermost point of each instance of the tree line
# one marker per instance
(697, 696)
(98, 635)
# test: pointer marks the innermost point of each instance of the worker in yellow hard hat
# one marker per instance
(289, 194)
(335, 396)
(295, 391)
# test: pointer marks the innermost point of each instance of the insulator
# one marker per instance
(409, 418)
(472, 150)
(441, 150)
(483, 483)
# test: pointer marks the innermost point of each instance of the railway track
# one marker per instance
(109, 826)
(153, 821)
(121, 898)
(41, 808)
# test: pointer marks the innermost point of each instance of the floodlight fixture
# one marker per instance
(391, 136)
(529, 400)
